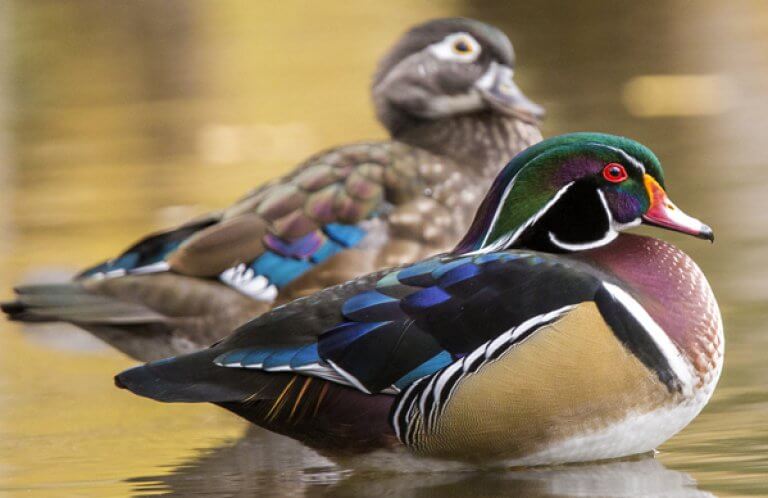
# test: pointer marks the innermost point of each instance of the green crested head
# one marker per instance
(574, 192)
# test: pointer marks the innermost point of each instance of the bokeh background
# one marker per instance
(117, 118)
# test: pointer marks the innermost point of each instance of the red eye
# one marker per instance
(614, 173)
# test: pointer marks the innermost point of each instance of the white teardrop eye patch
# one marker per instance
(459, 47)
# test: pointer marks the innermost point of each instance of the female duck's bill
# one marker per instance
(545, 338)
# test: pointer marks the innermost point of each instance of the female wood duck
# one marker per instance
(445, 93)
(544, 337)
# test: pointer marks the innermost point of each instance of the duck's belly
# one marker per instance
(570, 392)
(636, 434)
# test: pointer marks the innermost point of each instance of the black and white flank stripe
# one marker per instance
(419, 407)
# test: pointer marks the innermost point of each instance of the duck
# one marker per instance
(546, 336)
(446, 94)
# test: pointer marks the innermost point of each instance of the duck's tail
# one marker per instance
(195, 378)
(72, 302)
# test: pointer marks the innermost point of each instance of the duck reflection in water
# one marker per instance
(262, 460)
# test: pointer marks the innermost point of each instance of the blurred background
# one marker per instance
(117, 118)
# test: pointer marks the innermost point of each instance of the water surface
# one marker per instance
(117, 118)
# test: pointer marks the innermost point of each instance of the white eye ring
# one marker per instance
(459, 47)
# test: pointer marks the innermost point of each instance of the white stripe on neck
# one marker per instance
(507, 239)
(679, 364)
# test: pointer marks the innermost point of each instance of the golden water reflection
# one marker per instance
(117, 118)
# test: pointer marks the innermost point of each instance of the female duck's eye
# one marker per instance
(462, 47)
(457, 47)
(614, 173)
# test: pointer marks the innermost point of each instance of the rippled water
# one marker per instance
(122, 117)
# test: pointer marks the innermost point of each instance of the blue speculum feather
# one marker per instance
(346, 235)
(279, 270)
(285, 261)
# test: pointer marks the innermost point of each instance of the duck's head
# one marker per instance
(575, 192)
(446, 68)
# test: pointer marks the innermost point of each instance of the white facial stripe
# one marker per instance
(677, 362)
(498, 209)
(610, 234)
(614, 227)
(459, 47)
(623, 226)
(505, 241)
(626, 156)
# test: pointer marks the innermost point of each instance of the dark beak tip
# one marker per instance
(708, 234)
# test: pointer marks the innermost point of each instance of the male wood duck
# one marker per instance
(544, 337)
(445, 93)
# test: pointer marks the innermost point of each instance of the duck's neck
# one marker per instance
(484, 141)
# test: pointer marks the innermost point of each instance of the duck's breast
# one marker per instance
(671, 287)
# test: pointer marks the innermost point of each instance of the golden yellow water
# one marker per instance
(117, 118)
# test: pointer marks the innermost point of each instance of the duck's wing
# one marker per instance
(148, 255)
(275, 233)
(380, 333)
(200, 280)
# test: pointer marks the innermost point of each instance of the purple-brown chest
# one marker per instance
(673, 290)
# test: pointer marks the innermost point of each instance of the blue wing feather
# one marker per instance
(371, 306)
(306, 355)
(419, 274)
(279, 358)
(232, 358)
(339, 338)
(432, 365)
(425, 298)
(255, 358)
(458, 274)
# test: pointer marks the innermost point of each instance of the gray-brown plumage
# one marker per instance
(445, 93)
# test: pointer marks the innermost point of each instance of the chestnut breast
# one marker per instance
(673, 290)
